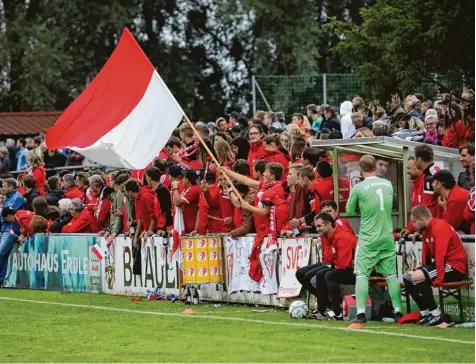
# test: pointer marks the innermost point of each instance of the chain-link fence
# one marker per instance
(292, 94)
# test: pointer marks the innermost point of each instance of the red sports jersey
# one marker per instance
(101, 216)
(324, 191)
(442, 243)
(145, 207)
(227, 210)
(214, 216)
(344, 224)
(262, 222)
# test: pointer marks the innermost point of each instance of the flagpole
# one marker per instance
(212, 156)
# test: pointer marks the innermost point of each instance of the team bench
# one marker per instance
(445, 290)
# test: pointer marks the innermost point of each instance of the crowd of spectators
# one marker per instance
(280, 183)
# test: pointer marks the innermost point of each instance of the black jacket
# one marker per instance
(61, 221)
(165, 201)
(331, 124)
(29, 197)
(54, 196)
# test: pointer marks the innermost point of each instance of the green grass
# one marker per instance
(36, 332)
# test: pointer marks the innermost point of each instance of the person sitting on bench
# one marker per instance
(328, 281)
(443, 258)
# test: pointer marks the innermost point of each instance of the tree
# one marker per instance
(404, 43)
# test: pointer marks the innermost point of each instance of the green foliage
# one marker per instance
(404, 43)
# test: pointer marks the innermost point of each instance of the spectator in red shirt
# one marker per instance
(271, 200)
(324, 190)
(257, 152)
(328, 281)
(414, 174)
(210, 218)
(468, 212)
(443, 260)
(21, 217)
(456, 133)
(102, 215)
(36, 168)
(93, 193)
(82, 218)
(275, 153)
(82, 181)
(71, 190)
(146, 220)
(451, 199)
(258, 170)
(187, 200)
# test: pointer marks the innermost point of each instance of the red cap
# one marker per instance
(271, 197)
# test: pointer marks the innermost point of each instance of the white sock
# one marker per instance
(397, 309)
(436, 312)
(360, 310)
(425, 313)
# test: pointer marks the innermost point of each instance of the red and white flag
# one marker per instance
(124, 117)
(98, 252)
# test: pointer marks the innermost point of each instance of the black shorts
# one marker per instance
(451, 274)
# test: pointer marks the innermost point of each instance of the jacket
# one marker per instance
(15, 201)
(29, 197)
(247, 226)
(24, 218)
(343, 244)
(165, 203)
(453, 215)
(54, 196)
(61, 221)
(257, 152)
(145, 209)
(442, 244)
(464, 180)
(80, 224)
(39, 175)
(74, 192)
(331, 124)
(102, 216)
(324, 191)
(280, 157)
(115, 220)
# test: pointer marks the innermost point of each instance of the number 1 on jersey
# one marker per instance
(380, 196)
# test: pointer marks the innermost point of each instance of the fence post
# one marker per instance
(324, 88)
(253, 93)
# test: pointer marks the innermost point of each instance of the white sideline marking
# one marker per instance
(238, 319)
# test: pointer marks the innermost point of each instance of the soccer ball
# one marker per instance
(298, 309)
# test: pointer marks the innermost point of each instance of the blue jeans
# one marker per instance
(6, 245)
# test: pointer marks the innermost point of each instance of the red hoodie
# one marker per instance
(39, 175)
(456, 135)
(324, 191)
(80, 224)
(278, 156)
(257, 152)
(442, 243)
(210, 205)
(102, 216)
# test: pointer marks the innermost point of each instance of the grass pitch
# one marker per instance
(38, 326)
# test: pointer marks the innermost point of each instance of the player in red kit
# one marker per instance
(443, 258)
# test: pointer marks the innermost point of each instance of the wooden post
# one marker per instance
(238, 195)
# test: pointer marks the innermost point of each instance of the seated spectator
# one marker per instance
(466, 157)
(328, 281)
(55, 193)
(37, 170)
(451, 199)
(242, 218)
(443, 260)
(432, 134)
(64, 218)
(31, 192)
(82, 218)
(468, 212)
(102, 214)
(330, 207)
(71, 190)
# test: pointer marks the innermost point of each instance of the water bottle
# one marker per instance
(195, 298)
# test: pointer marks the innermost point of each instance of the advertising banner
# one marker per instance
(295, 254)
(55, 262)
(237, 252)
(159, 268)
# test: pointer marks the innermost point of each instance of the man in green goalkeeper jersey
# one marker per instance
(375, 245)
